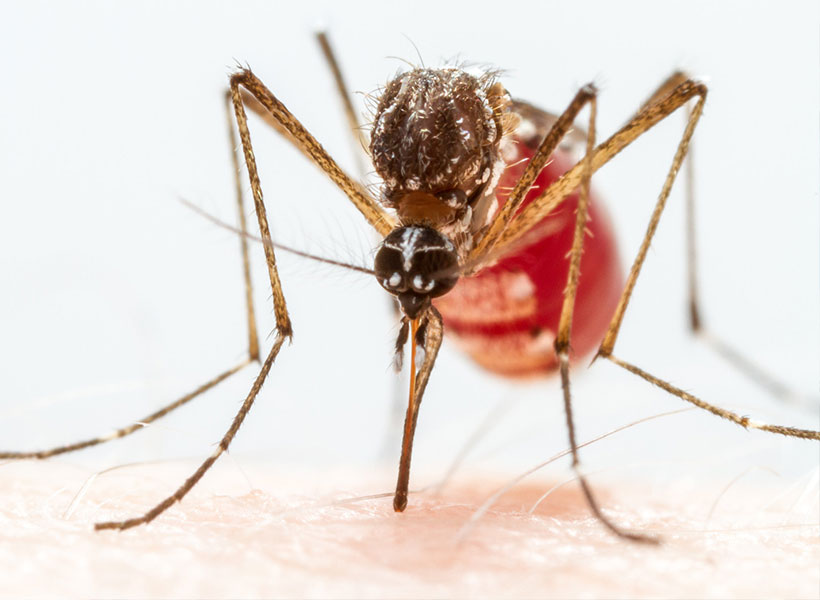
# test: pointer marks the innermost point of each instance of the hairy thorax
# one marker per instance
(436, 145)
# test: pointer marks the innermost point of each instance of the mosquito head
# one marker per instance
(416, 264)
(435, 143)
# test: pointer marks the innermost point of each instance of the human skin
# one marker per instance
(249, 533)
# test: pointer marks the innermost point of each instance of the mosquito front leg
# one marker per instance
(307, 144)
(545, 151)
(556, 193)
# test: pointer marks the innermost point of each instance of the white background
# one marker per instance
(116, 299)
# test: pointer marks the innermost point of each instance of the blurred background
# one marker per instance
(117, 299)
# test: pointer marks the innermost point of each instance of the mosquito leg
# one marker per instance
(432, 332)
(347, 103)
(608, 343)
(696, 323)
(307, 144)
(743, 421)
(556, 133)
(124, 431)
(203, 468)
(253, 343)
(734, 357)
(665, 89)
(284, 329)
(556, 193)
(253, 336)
(361, 150)
(562, 339)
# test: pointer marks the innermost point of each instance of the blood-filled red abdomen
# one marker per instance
(506, 316)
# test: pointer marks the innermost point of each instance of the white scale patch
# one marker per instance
(526, 129)
(502, 297)
(521, 288)
(408, 240)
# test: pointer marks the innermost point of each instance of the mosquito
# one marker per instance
(487, 221)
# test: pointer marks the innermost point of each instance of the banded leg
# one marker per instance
(284, 329)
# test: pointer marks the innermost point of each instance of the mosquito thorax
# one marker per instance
(435, 144)
(416, 264)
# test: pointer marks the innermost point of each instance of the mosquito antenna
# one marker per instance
(219, 223)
